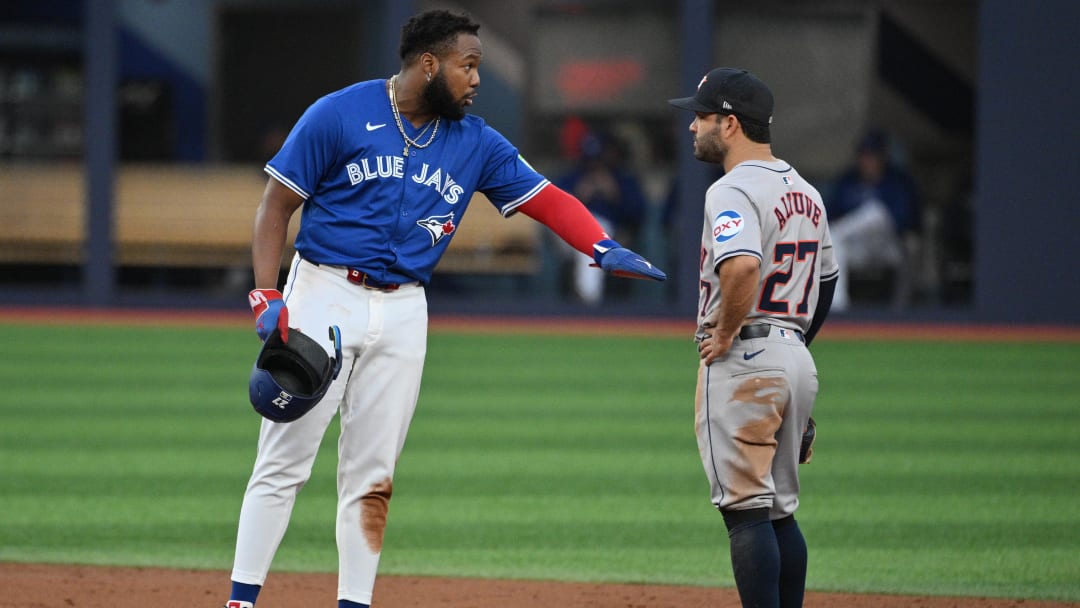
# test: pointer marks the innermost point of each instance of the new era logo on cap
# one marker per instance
(731, 91)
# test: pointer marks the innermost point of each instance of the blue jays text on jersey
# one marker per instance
(366, 206)
(394, 166)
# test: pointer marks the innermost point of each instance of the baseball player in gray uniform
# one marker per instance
(767, 278)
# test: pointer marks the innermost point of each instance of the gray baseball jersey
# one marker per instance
(767, 210)
(753, 403)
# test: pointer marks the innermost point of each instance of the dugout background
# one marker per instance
(983, 93)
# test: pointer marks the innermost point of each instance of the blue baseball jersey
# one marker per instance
(368, 206)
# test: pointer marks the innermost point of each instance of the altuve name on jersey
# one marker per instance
(797, 203)
(386, 167)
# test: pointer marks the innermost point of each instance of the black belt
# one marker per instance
(749, 332)
(363, 279)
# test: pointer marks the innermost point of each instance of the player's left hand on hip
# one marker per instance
(622, 262)
(714, 347)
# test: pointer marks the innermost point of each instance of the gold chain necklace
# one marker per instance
(409, 142)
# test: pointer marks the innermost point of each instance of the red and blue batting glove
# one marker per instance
(622, 262)
(270, 313)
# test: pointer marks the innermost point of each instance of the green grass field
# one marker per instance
(941, 468)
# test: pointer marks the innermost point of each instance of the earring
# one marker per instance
(429, 76)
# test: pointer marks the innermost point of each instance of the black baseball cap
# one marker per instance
(731, 91)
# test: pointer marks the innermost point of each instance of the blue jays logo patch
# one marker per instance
(438, 226)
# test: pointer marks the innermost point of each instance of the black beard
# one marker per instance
(438, 98)
(712, 151)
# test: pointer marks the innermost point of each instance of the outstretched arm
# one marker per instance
(567, 217)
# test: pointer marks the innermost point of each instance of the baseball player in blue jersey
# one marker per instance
(382, 171)
(767, 278)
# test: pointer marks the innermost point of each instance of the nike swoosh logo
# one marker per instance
(371, 127)
(748, 356)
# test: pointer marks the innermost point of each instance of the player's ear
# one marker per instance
(730, 125)
(429, 63)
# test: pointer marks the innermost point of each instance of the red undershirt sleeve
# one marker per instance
(566, 216)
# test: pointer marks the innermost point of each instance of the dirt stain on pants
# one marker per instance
(374, 507)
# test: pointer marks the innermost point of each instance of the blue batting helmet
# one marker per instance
(289, 378)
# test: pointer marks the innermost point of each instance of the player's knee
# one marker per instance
(783, 522)
(739, 519)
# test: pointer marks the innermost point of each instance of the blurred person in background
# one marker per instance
(610, 190)
(875, 219)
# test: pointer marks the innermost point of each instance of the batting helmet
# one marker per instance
(289, 379)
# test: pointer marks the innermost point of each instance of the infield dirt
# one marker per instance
(53, 586)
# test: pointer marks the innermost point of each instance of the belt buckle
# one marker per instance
(363, 281)
(364, 284)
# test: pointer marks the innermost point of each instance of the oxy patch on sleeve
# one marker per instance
(727, 225)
